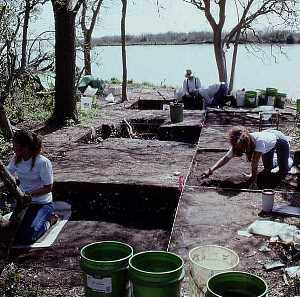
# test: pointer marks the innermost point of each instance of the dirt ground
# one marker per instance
(204, 215)
(214, 217)
(232, 174)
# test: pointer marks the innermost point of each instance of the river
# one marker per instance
(165, 65)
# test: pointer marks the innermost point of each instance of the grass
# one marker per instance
(86, 115)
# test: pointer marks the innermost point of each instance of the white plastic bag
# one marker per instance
(90, 92)
(110, 98)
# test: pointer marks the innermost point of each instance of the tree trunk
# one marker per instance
(220, 56)
(9, 228)
(65, 59)
(24, 36)
(234, 58)
(5, 124)
(124, 60)
(87, 54)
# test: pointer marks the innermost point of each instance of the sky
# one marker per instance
(143, 16)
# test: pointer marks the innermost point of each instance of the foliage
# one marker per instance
(202, 37)
(28, 103)
(12, 285)
(114, 80)
(86, 115)
(4, 146)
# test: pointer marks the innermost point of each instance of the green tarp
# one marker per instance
(93, 82)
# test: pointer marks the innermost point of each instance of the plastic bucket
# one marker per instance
(176, 112)
(236, 284)
(267, 197)
(105, 267)
(208, 260)
(262, 99)
(271, 94)
(86, 102)
(156, 273)
(280, 100)
(298, 105)
(250, 99)
(240, 98)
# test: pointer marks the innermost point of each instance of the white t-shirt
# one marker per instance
(209, 93)
(265, 141)
(32, 179)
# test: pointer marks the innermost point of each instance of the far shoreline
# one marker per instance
(188, 43)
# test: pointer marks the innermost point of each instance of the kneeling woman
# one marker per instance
(257, 145)
(34, 173)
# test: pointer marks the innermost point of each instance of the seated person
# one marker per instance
(191, 97)
(35, 175)
(216, 95)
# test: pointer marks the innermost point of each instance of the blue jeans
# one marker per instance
(34, 225)
(282, 148)
(219, 96)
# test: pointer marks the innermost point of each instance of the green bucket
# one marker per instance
(105, 267)
(280, 100)
(250, 99)
(271, 94)
(176, 112)
(236, 284)
(298, 105)
(156, 273)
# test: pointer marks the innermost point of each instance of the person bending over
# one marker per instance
(216, 95)
(34, 173)
(191, 97)
(256, 146)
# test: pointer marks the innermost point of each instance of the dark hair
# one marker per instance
(30, 140)
(240, 136)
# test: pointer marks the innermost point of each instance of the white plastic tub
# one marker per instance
(208, 260)
(240, 98)
(86, 102)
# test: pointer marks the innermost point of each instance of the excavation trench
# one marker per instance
(148, 129)
(137, 206)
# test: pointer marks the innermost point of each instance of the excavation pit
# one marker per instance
(137, 206)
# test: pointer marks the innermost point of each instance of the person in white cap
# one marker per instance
(191, 97)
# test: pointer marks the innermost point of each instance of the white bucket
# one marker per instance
(271, 100)
(208, 260)
(86, 102)
(240, 98)
(267, 197)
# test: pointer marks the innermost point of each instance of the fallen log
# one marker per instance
(9, 228)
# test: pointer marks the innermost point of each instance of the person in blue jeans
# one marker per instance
(34, 174)
(256, 145)
(216, 95)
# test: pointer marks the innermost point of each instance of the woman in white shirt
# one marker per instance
(34, 173)
(256, 146)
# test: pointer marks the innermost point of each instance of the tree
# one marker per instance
(9, 228)
(9, 27)
(124, 59)
(30, 5)
(65, 58)
(87, 32)
(248, 12)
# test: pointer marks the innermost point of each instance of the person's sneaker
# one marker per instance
(54, 218)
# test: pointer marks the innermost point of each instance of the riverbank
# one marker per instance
(176, 38)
